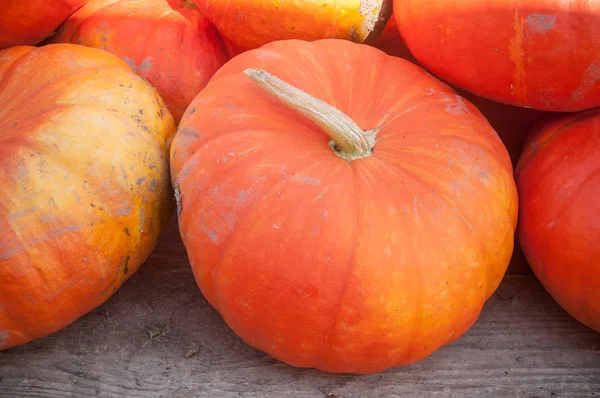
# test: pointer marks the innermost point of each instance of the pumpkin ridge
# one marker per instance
(543, 271)
(5, 76)
(419, 104)
(321, 356)
(443, 199)
(247, 214)
(567, 200)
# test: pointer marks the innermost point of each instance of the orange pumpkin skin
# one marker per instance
(349, 267)
(170, 44)
(512, 123)
(28, 22)
(559, 230)
(253, 23)
(84, 146)
(542, 54)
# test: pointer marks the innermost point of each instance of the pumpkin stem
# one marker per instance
(349, 141)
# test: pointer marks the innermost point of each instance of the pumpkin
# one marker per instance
(84, 146)
(559, 187)
(170, 44)
(348, 216)
(541, 54)
(253, 23)
(28, 22)
(512, 123)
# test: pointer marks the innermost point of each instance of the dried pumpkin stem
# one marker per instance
(349, 141)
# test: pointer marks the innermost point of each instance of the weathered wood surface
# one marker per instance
(157, 337)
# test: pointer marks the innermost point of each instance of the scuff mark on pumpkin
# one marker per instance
(4, 335)
(552, 224)
(125, 209)
(308, 180)
(188, 132)
(416, 206)
(517, 55)
(13, 251)
(212, 235)
(229, 221)
(20, 214)
(144, 66)
(178, 203)
(244, 196)
(589, 80)
(456, 108)
(540, 23)
(48, 218)
(484, 176)
(188, 168)
(142, 220)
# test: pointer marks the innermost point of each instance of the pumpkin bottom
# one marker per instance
(574, 286)
(339, 355)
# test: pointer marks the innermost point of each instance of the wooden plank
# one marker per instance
(157, 337)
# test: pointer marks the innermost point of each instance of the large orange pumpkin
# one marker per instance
(28, 22)
(512, 123)
(253, 23)
(169, 43)
(84, 145)
(543, 54)
(559, 229)
(361, 237)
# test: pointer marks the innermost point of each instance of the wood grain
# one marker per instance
(157, 337)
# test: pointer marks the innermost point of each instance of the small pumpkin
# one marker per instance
(84, 146)
(253, 23)
(542, 54)
(512, 123)
(348, 216)
(169, 43)
(28, 22)
(559, 227)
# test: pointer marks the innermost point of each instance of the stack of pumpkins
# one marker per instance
(343, 208)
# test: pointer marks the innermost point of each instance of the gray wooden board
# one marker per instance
(158, 337)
